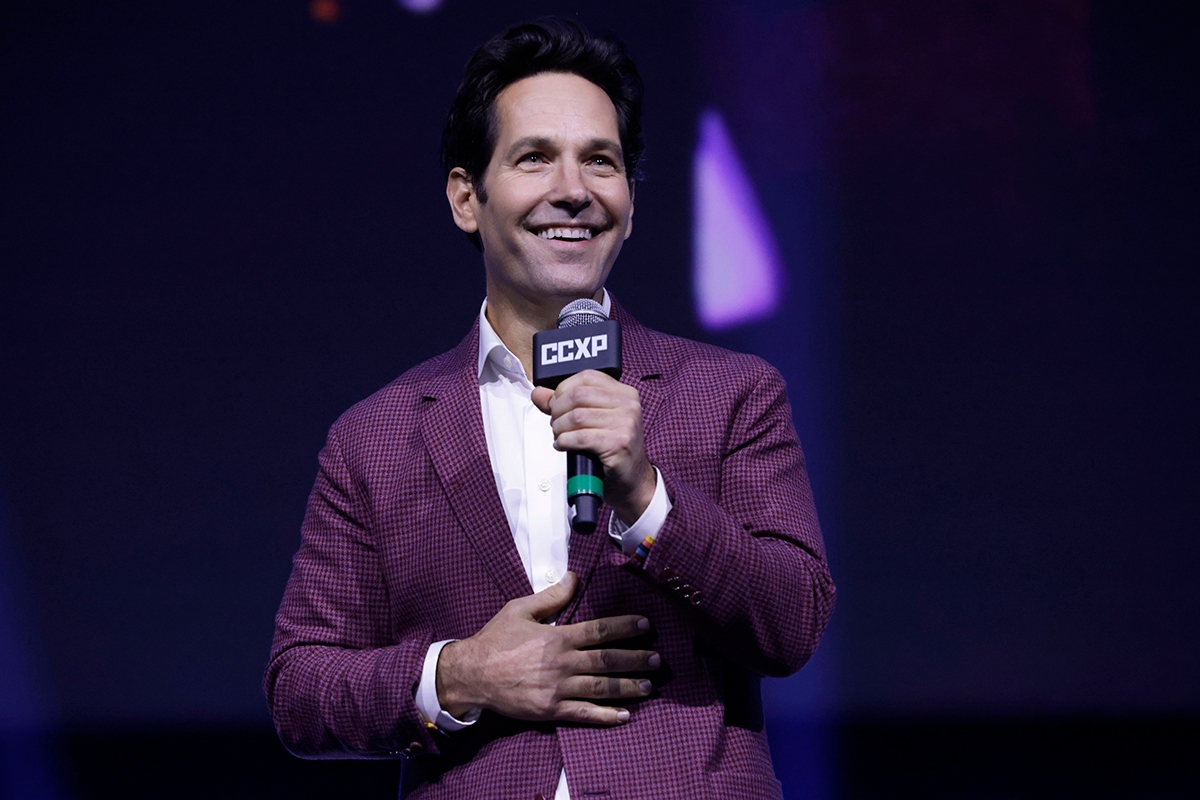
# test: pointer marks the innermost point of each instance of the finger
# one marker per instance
(613, 659)
(548, 601)
(594, 377)
(590, 713)
(592, 417)
(541, 398)
(603, 443)
(605, 629)
(599, 687)
(578, 379)
(591, 396)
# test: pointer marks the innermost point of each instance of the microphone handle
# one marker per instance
(585, 490)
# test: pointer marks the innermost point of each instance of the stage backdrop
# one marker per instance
(960, 230)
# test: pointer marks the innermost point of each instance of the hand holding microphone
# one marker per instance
(593, 415)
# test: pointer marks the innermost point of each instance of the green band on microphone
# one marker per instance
(585, 484)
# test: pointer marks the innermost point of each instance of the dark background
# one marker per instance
(222, 223)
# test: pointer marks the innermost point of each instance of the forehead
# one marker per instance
(556, 105)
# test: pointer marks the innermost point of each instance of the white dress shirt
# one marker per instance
(531, 477)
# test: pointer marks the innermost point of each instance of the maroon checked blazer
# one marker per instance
(405, 542)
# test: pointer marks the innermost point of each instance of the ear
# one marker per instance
(461, 194)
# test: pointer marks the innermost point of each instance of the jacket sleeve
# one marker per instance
(745, 557)
(339, 684)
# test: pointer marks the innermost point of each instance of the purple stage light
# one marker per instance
(737, 273)
(420, 6)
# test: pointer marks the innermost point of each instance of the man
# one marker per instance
(441, 611)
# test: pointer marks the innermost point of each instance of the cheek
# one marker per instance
(500, 225)
(622, 206)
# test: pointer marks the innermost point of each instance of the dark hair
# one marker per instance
(546, 45)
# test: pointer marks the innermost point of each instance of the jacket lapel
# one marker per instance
(452, 427)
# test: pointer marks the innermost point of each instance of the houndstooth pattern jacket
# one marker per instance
(405, 542)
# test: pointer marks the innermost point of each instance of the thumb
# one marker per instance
(541, 398)
(552, 599)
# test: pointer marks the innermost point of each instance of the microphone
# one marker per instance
(585, 339)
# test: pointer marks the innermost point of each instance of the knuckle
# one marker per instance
(600, 629)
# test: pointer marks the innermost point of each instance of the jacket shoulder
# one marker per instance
(678, 359)
(392, 410)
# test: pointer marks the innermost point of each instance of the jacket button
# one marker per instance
(675, 582)
(668, 574)
(686, 590)
(696, 597)
(416, 747)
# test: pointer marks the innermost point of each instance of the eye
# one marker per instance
(532, 158)
(603, 163)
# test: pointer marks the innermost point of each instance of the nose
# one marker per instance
(570, 188)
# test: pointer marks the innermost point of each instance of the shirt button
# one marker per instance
(544, 486)
(507, 362)
(551, 576)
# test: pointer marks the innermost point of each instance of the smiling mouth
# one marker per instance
(565, 234)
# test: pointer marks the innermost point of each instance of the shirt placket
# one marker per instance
(541, 476)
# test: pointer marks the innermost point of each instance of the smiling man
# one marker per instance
(455, 621)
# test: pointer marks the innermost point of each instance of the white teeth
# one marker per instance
(565, 233)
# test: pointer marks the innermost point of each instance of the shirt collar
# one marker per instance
(492, 349)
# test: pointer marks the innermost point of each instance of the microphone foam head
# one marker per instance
(581, 312)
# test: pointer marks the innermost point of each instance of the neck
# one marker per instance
(515, 322)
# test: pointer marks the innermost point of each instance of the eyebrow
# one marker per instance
(542, 143)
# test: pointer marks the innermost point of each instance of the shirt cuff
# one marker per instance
(648, 524)
(427, 699)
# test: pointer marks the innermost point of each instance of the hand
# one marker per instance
(521, 667)
(595, 413)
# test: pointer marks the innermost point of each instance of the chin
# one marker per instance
(574, 289)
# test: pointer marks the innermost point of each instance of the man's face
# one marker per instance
(559, 204)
